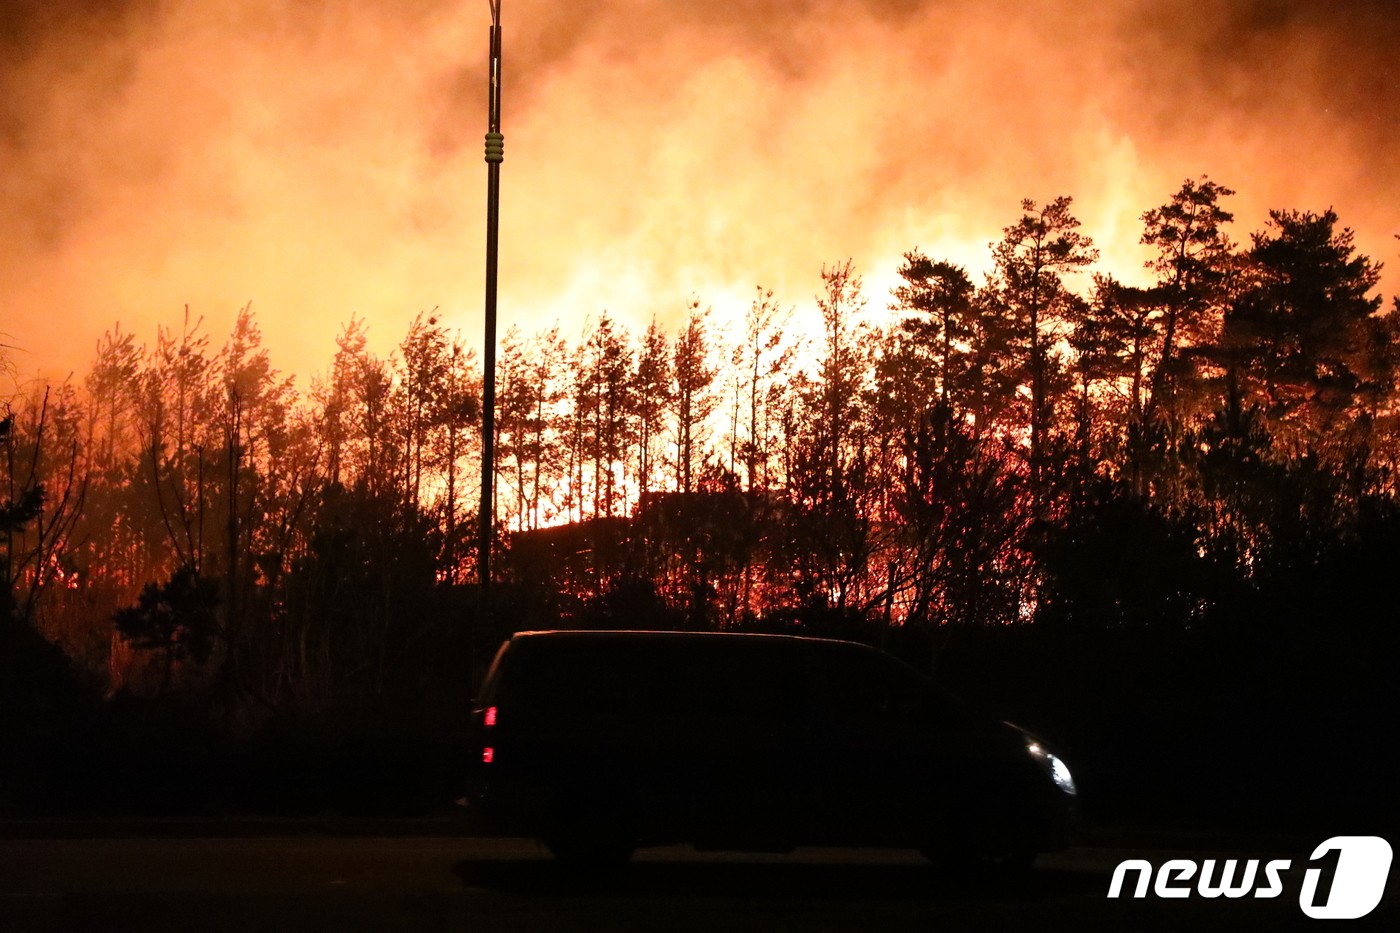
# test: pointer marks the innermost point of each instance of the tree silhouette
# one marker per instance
(176, 618)
(1195, 266)
(692, 396)
(609, 366)
(832, 455)
(1310, 345)
(44, 485)
(1192, 264)
(651, 400)
(1114, 342)
(937, 301)
(1032, 256)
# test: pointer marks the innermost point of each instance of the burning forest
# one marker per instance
(1139, 418)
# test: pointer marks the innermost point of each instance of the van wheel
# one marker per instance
(1010, 867)
(590, 850)
(590, 836)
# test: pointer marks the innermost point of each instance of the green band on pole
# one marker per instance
(495, 147)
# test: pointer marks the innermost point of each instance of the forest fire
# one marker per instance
(1112, 350)
(329, 166)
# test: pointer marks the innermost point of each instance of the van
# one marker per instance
(597, 742)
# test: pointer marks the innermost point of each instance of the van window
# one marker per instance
(863, 684)
(755, 680)
(575, 674)
(655, 676)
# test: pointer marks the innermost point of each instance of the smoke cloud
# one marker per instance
(323, 159)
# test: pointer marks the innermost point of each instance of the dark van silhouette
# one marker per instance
(599, 742)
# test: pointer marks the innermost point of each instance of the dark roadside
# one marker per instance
(353, 874)
(459, 821)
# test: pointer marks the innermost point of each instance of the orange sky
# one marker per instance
(323, 159)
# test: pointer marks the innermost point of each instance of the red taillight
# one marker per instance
(490, 719)
(488, 755)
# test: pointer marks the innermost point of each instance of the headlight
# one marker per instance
(1053, 765)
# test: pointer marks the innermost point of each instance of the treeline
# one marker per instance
(1049, 445)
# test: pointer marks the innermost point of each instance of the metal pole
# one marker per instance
(495, 154)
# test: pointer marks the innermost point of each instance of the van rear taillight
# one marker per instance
(490, 718)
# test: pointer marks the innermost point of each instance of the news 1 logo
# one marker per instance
(1345, 880)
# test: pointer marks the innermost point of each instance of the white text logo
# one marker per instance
(1345, 879)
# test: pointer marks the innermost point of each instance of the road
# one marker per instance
(348, 884)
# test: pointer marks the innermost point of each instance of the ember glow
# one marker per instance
(323, 160)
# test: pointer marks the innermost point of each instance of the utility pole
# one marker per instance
(495, 154)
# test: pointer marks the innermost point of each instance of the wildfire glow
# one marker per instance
(324, 160)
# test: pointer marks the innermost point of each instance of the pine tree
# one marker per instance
(1306, 338)
(692, 398)
(1031, 258)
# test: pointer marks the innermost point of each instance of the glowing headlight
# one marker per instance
(1057, 769)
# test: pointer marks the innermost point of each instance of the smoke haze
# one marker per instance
(323, 159)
